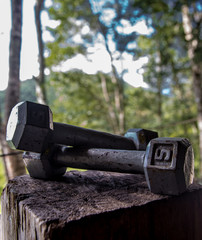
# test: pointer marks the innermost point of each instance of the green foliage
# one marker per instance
(167, 105)
(169, 67)
(2, 177)
(28, 91)
(79, 100)
(140, 108)
(113, 18)
(71, 17)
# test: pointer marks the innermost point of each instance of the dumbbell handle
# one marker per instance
(168, 163)
(31, 128)
(126, 161)
(76, 136)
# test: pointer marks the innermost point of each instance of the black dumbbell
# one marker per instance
(31, 128)
(168, 163)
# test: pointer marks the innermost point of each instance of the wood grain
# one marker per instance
(97, 205)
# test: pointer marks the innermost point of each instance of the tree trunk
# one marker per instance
(193, 44)
(159, 82)
(113, 121)
(119, 106)
(40, 80)
(2, 141)
(197, 85)
(119, 99)
(13, 163)
(13, 90)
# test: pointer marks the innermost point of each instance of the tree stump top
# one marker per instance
(38, 209)
(82, 194)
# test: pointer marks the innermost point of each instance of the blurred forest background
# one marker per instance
(170, 101)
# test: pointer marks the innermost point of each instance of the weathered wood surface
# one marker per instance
(97, 205)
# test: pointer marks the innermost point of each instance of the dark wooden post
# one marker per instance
(97, 205)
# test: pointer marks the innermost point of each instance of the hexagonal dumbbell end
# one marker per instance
(169, 165)
(28, 126)
(39, 165)
(141, 137)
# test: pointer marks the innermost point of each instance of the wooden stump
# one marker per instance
(97, 205)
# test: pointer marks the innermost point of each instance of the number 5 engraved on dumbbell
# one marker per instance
(163, 155)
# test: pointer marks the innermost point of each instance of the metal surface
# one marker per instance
(40, 166)
(141, 137)
(31, 128)
(28, 126)
(168, 163)
(82, 137)
(101, 159)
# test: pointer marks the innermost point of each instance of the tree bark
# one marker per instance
(13, 90)
(119, 99)
(159, 83)
(117, 81)
(111, 113)
(196, 66)
(40, 80)
(13, 163)
(2, 141)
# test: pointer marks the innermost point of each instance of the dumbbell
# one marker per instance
(168, 163)
(31, 128)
